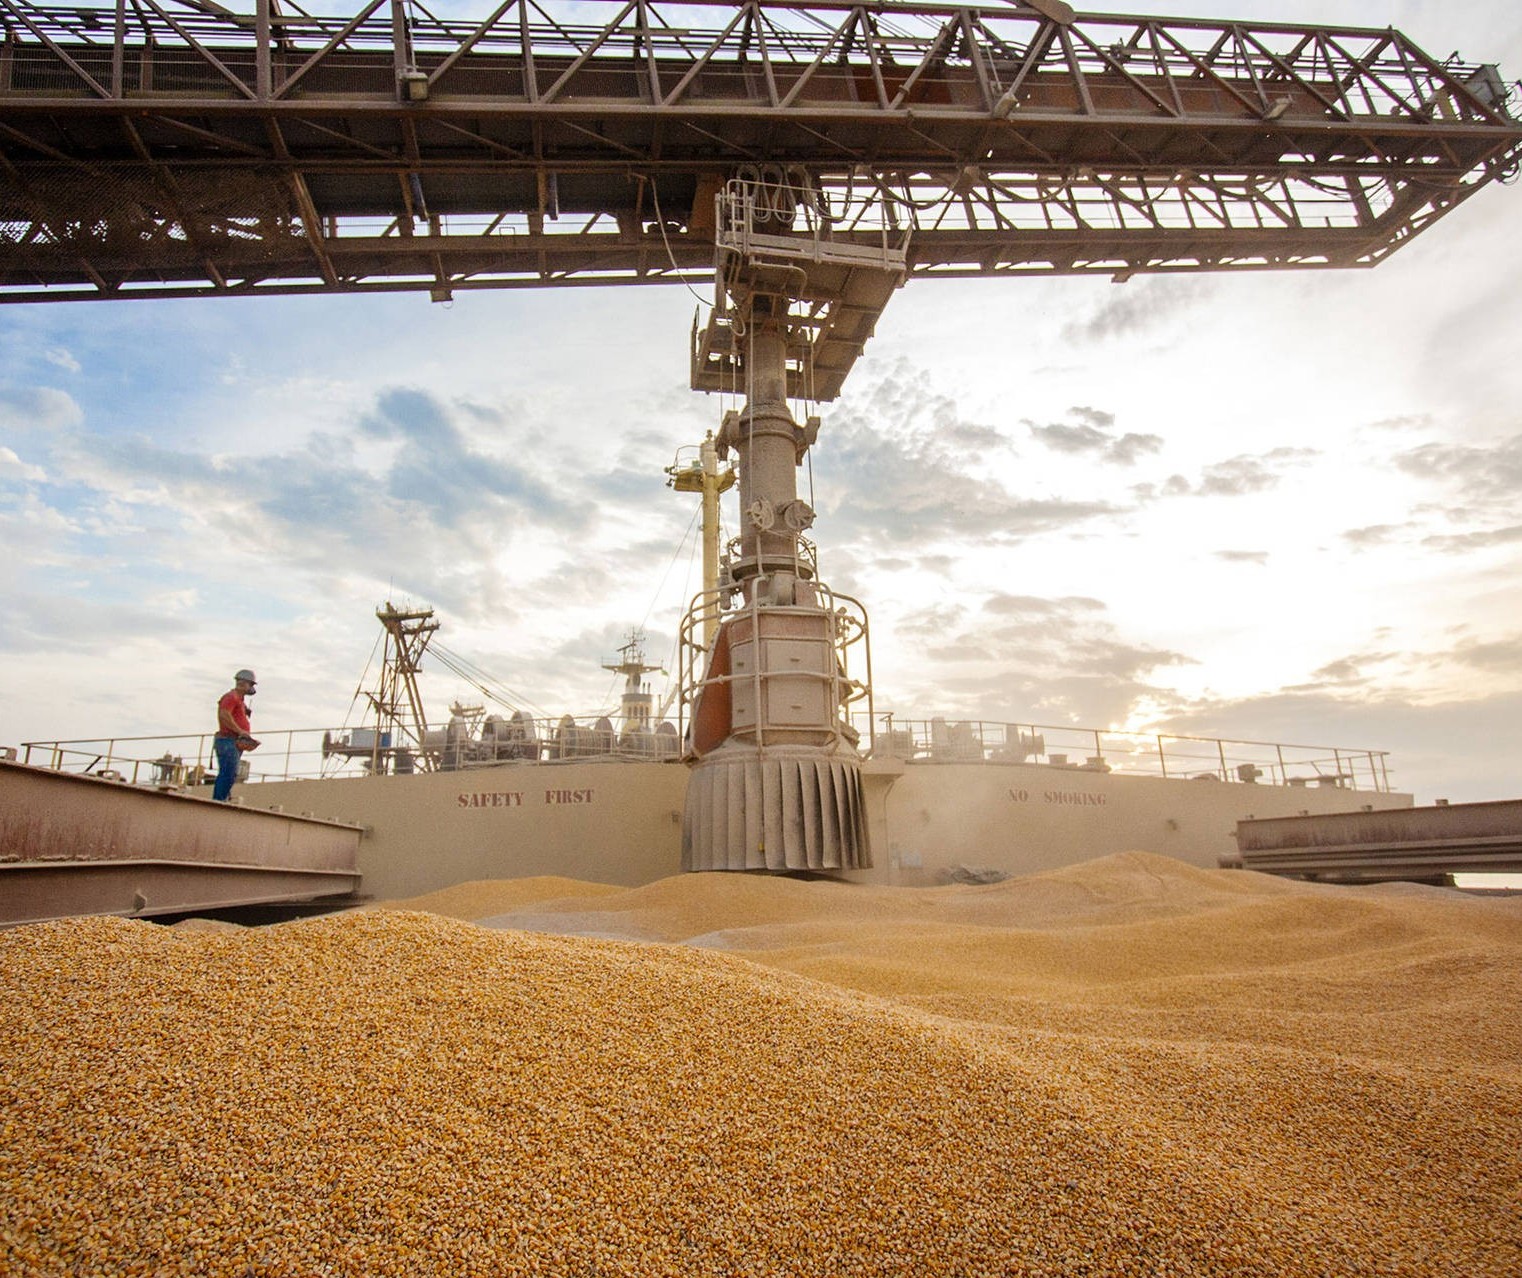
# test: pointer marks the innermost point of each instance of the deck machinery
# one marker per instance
(803, 160)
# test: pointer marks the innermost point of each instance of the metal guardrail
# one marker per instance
(939, 740)
(781, 213)
(170, 762)
(174, 762)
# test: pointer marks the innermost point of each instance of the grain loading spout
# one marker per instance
(777, 778)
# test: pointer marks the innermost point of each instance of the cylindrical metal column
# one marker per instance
(769, 445)
(782, 790)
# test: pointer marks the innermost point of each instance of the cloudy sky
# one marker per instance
(1267, 507)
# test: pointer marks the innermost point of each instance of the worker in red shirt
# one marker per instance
(233, 735)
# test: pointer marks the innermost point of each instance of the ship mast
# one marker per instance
(637, 699)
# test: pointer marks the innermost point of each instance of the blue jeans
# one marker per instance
(227, 766)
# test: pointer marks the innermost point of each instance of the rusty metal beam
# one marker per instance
(34, 893)
(72, 844)
(1398, 844)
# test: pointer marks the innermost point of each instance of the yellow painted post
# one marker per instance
(709, 455)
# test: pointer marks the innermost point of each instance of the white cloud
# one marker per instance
(1137, 307)
(12, 467)
(37, 408)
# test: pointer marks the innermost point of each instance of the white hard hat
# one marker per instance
(244, 674)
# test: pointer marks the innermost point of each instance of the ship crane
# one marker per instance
(400, 738)
(705, 476)
(803, 161)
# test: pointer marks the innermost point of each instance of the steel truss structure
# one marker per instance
(153, 148)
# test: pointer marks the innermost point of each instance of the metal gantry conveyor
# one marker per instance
(181, 148)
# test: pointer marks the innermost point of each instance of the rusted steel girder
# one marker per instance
(171, 148)
(1395, 844)
(72, 844)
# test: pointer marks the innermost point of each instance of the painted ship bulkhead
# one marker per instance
(929, 822)
(488, 797)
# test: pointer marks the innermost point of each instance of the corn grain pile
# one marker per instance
(1130, 1067)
